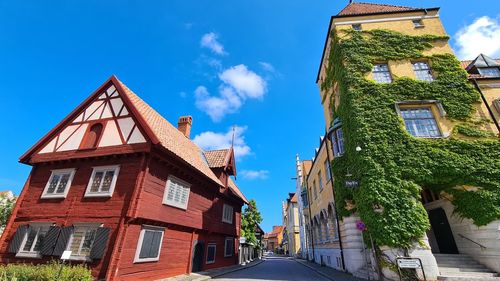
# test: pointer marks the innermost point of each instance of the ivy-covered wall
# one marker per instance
(393, 167)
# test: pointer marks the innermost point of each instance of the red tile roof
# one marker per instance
(218, 158)
(294, 198)
(357, 8)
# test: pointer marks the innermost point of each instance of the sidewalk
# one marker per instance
(329, 272)
(209, 274)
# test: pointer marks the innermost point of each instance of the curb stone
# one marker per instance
(315, 270)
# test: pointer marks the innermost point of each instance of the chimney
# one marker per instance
(184, 125)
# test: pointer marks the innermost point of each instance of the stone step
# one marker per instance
(470, 274)
(460, 265)
(455, 278)
(463, 269)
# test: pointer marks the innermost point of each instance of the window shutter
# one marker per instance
(100, 243)
(62, 241)
(17, 239)
(50, 240)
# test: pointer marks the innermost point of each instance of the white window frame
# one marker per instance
(173, 203)
(70, 241)
(427, 70)
(109, 193)
(32, 254)
(327, 170)
(46, 195)
(215, 253)
(224, 218)
(225, 246)
(145, 228)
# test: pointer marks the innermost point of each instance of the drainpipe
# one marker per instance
(486, 103)
(333, 190)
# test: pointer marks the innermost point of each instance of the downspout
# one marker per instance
(333, 190)
(486, 103)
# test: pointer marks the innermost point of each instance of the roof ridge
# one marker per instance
(389, 5)
(220, 149)
(361, 8)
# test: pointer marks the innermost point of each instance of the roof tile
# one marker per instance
(358, 8)
(217, 158)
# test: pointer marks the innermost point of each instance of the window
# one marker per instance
(381, 73)
(211, 248)
(149, 244)
(489, 71)
(102, 182)
(33, 240)
(92, 137)
(422, 71)
(496, 103)
(420, 122)
(227, 213)
(418, 23)
(356, 27)
(176, 193)
(228, 247)
(315, 190)
(81, 241)
(327, 170)
(337, 137)
(58, 184)
(320, 180)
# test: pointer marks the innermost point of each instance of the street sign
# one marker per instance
(351, 184)
(409, 263)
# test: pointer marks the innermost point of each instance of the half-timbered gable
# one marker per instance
(127, 192)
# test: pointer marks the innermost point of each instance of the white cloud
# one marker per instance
(211, 140)
(238, 84)
(246, 82)
(209, 41)
(253, 175)
(482, 36)
(267, 66)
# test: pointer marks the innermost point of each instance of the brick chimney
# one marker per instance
(184, 125)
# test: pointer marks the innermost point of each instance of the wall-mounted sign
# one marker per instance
(360, 225)
(351, 184)
(66, 255)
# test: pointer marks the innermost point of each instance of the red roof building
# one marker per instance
(127, 193)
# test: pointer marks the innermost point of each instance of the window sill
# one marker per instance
(228, 222)
(28, 255)
(147, 260)
(184, 208)
(91, 195)
(78, 258)
(210, 262)
(228, 256)
(45, 196)
(419, 26)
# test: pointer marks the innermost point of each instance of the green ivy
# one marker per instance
(393, 166)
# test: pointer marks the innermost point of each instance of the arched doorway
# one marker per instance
(198, 254)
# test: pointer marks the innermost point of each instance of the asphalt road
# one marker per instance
(275, 268)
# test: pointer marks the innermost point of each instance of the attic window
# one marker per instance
(418, 23)
(356, 27)
(496, 103)
(489, 71)
(92, 137)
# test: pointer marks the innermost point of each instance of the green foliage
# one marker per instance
(6, 205)
(250, 218)
(470, 131)
(394, 166)
(44, 272)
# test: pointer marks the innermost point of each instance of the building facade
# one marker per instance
(274, 239)
(323, 224)
(127, 193)
(291, 226)
(298, 190)
(403, 118)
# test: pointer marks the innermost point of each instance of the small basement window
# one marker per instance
(149, 245)
(58, 184)
(357, 27)
(103, 181)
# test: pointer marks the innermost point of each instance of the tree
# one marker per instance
(7, 201)
(249, 220)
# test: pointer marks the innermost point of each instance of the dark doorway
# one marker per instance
(198, 256)
(442, 231)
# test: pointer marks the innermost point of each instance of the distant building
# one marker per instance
(129, 194)
(291, 236)
(274, 239)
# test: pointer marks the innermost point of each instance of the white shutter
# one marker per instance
(176, 193)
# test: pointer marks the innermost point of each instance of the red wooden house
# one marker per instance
(128, 193)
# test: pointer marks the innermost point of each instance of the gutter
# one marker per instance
(486, 103)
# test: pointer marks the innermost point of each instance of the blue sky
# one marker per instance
(250, 64)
